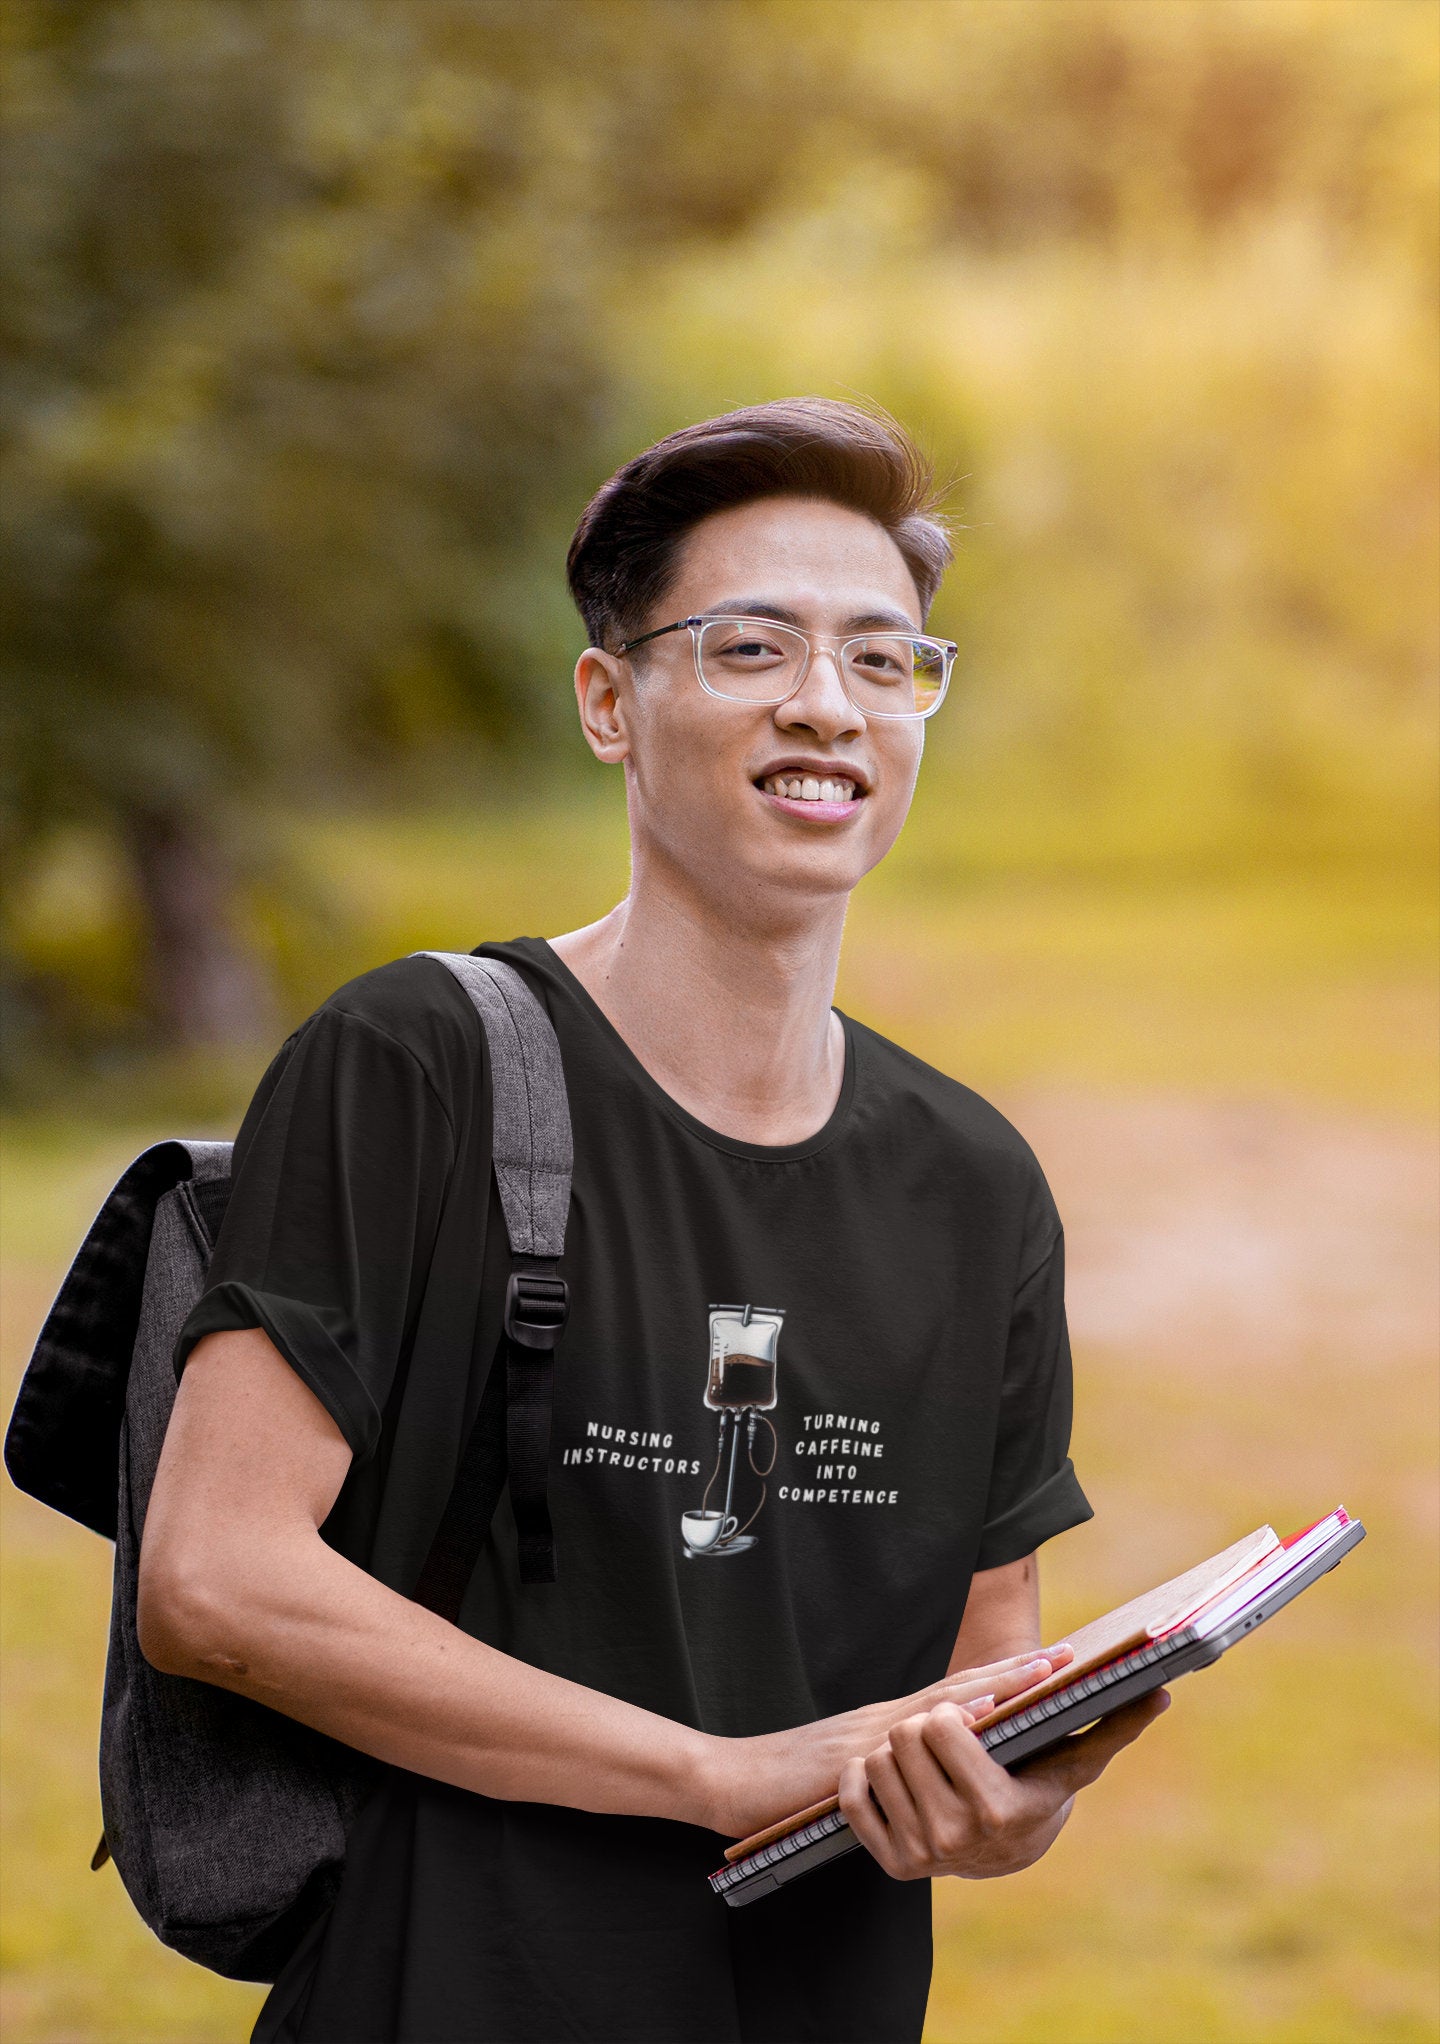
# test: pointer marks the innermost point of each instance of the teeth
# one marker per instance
(808, 788)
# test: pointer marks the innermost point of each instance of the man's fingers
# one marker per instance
(1094, 1750)
(931, 1794)
(1084, 1758)
(926, 1820)
(880, 1810)
(892, 1792)
(1055, 1656)
(995, 1688)
(1010, 1661)
(1034, 1793)
(1000, 1680)
(1016, 1680)
(863, 1816)
(987, 1791)
(944, 1814)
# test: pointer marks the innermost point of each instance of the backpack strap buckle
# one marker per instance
(537, 1307)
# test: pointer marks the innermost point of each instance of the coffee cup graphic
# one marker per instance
(741, 1390)
(702, 1530)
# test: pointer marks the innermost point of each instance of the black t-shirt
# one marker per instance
(856, 1343)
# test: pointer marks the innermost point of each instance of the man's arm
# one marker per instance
(238, 1588)
(1002, 1615)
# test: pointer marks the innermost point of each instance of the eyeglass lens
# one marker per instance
(887, 675)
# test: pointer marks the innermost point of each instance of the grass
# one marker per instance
(1262, 1870)
(1262, 1867)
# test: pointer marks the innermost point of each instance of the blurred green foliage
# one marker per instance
(322, 320)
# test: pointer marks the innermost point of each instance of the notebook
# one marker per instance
(1182, 1625)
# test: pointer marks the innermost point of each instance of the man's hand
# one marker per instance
(756, 1780)
(931, 1801)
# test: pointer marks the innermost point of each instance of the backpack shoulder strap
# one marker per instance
(207, 1186)
(533, 1152)
(534, 1159)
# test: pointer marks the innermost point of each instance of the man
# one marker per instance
(812, 1405)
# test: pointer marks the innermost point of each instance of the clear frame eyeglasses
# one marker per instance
(757, 660)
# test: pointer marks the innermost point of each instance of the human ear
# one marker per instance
(602, 712)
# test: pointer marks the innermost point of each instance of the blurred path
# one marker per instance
(1253, 1230)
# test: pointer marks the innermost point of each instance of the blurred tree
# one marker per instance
(301, 338)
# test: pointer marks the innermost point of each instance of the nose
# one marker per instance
(820, 704)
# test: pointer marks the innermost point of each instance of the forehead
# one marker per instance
(802, 553)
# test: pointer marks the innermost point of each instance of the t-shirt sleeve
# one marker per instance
(1034, 1492)
(338, 1177)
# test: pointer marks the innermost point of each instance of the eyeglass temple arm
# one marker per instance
(682, 625)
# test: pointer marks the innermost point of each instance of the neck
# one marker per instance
(733, 1019)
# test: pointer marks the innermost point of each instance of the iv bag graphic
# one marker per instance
(744, 1341)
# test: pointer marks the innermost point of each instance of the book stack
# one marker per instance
(1184, 1624)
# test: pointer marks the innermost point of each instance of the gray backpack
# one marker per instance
(226, 1820)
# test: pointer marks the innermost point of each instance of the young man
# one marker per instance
(782, 1227)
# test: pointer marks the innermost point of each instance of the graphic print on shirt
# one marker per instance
(740, 1388)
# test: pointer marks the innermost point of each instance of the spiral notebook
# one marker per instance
(1182, 1625)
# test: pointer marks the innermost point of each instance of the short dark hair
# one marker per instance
(623, 554)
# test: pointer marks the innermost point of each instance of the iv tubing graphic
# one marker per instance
(733, 1420)
(740, 1381)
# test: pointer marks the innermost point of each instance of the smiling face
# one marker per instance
(762, 808)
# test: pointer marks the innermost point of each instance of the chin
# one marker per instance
(813, 872)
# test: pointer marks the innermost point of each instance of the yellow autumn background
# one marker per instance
(322, 322)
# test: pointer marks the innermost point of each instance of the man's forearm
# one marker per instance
(238, 1588)
(303, 1630)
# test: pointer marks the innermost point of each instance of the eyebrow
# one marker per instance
(863, 621)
